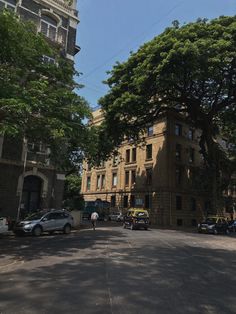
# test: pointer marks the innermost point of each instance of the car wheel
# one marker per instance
(145, 228)
(67, 229)
(37, 231)
(215, 231)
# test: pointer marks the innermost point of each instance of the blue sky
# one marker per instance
(110, 29)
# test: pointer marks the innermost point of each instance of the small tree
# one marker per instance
(72, 197)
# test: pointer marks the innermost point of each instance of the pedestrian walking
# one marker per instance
(94, 218)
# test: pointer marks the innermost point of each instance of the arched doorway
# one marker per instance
(31, 193)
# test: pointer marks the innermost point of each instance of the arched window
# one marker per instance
(48, 27)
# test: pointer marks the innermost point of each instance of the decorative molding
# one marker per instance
(21, 178)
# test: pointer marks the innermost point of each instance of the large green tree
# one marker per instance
(190, 70)
(37, 98)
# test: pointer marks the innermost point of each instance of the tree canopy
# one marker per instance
(189, 69)
(37, 97)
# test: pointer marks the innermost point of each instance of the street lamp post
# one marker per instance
(25, 149)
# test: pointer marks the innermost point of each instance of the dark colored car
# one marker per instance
(45, 221)
(136, 218)
(214, 225)
(232, 226)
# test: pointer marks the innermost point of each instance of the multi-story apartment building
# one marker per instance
(28, 180)
(160, 174)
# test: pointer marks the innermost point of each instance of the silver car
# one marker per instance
(3, 225)
(50, 221)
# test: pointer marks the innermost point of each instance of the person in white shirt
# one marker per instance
(94, 218)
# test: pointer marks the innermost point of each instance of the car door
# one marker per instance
(48, 222)
(60, 219)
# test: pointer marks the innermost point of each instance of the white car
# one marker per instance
(113, 216)
(3, 225)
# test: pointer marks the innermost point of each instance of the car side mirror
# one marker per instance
(45, 219)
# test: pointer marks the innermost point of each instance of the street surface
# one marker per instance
(115, 270)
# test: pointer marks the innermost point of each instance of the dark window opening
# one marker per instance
(125, 201)
(149, 151)
(178, 202)
(179, 222)
(113, 201)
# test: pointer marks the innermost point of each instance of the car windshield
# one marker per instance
(35, 216)
(211, 221)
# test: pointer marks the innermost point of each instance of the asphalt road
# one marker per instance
(115, 270)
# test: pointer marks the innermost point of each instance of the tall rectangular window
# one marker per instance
(98, 182)
(191, 134)
(149, 151)
(193, 204)
(149, 176)
(103, 181)
(114, 179)
(48, 27)
(178, 202)
(88, 184)
(127, 155)
(113, 201)
(133, 176)
(191, 155)
(147, 201)
(125, 201)
(178, 176)
(178, 150)
(178, 129)
(134, 154)
(126, 178)
(132, 200)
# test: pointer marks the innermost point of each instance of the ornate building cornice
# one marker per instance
(67, 6)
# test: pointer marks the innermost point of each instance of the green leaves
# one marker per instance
(190, 69)
(37, 98)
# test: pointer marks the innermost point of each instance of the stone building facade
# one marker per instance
(28, 180)
(158, 174)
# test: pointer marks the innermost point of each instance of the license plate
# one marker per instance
(140, 221)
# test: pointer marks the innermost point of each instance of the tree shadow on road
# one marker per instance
(115, 277)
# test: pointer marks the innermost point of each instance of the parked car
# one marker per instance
(214, 224)
(45, 221)
(136, 218)
(3, 225)
(113, 216)
(232, 225)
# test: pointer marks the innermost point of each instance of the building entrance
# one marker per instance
(31, 193)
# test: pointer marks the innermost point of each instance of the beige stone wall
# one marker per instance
(164, 187)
